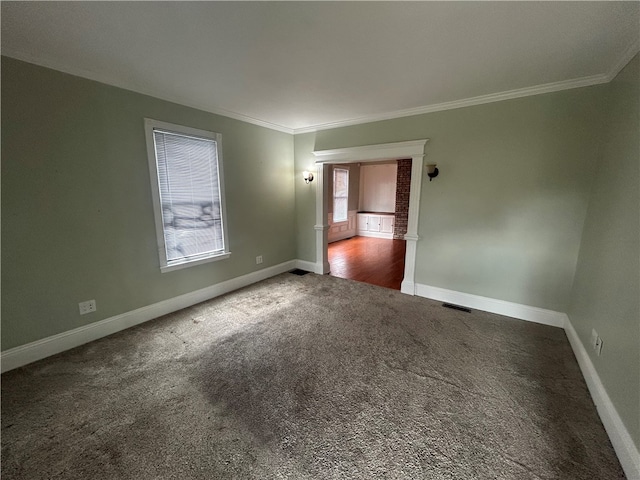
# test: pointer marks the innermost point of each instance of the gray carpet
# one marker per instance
(309, 377)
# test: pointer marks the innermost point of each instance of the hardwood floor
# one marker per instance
(377, 261)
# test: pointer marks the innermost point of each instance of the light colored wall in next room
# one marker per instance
(606, 292)
(77, 219)
(378, 187)
(504, 217)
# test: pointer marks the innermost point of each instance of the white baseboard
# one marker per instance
(309, 266)
(408, 287)
(31, 352)
(501, 307)
(622, 442)
(364, 233)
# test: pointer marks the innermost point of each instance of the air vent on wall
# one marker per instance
(456, 307)
(298, 271)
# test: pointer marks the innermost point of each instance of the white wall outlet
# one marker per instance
(594, 338)
(599, 346)
(87, 307)
(258, 259)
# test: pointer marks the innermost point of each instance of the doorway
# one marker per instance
(371, 153)
(367, 218)
(377, 261)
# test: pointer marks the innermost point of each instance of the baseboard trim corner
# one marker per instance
(34, 351)
(309, 266)
(622, 442)
(408, 287)
(492, 305)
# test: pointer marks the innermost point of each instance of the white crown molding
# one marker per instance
(621, 440)
(588, 81)
(625, 58)
(106, 79)
(620, 63)
(467, 102)
(31, 352)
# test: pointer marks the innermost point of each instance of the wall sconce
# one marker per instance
(432, 171)
(308, 176)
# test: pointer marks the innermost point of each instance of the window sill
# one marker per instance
(192, 263)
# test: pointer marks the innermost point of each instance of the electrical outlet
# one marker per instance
(258, 259)
(87, 307)
(594, 338)
(599, 346)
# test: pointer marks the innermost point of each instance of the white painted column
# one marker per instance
(322, 226)
(408, 283)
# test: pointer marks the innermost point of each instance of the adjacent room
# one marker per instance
(320, 240)
(367, 219)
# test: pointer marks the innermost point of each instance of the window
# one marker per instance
(188, 194)
(340, 194)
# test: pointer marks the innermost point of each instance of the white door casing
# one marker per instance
(413, 149)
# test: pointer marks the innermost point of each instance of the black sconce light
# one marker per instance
(308, 176)
(432, 171)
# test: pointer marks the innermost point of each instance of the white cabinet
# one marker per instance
(375, 225)
(363, 223)
(386, 225)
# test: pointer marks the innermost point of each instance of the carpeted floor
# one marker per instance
(309, 377)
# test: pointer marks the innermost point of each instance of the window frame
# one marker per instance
(150, 125)
(346, 218)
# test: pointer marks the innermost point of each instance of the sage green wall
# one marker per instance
(77, 212)
(606, 292)
(504, 217)
(305, 197)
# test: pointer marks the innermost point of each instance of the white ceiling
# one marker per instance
(297, 66)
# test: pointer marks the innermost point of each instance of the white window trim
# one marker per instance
(149, 125)
(333, 194)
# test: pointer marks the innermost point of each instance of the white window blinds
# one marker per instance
(190, 198)
(340, 194)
